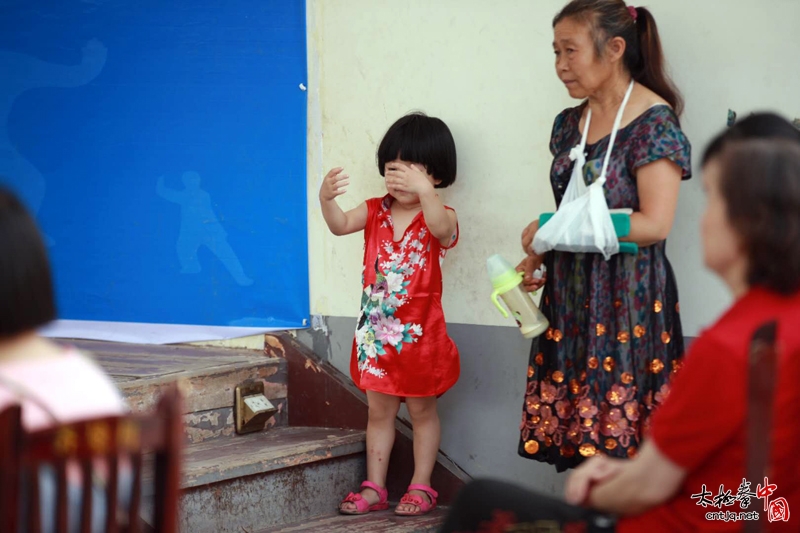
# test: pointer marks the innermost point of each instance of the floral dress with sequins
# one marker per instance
(615, 334)
(401, 346)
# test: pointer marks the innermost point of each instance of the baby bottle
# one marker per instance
(507, 284)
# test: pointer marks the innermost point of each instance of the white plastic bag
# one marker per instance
(582, 223)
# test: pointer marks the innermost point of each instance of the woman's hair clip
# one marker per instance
(633, 12)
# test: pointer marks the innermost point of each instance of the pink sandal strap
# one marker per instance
(361, 504)
(413, 499)
(383, 494)
(432, 494)
(418, 501)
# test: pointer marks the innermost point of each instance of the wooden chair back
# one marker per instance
(99, 450)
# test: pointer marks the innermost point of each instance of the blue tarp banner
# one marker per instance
(162, 147)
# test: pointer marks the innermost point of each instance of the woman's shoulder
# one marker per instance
(105, 398)
(644, 98)
(735, 327)
(569, 117)
(656, 132)
(81, 389)
(658, 113)
(648, 108)
(80, 363)
(657, 122)
(564, 127)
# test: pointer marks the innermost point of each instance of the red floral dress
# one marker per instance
(401, 346)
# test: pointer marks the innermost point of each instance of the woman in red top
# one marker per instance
(691, 466)
(401, 350)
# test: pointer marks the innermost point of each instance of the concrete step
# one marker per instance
(282, 476)
(208, 378)
(378, 522)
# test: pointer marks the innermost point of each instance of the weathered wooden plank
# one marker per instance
(145, 365)
(218, 460)
(157, 349)
(217, 423)
(210, 389)
(206, 425)
(122, 379)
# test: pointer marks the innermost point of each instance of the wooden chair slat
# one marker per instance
(10, 473)
(136, 495)
(62, 525)
(34, 503)
(112, 495)
(86, 497)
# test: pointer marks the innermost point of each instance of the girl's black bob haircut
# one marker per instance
(418, 138)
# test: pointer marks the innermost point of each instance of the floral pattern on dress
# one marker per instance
(378, 325)
(401, 346)
(615, 340)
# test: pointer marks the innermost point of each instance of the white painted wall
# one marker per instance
(486, 68)
(725, 54)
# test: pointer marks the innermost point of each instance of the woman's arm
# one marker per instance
(636, 485)
(532, 261)
(658, 184)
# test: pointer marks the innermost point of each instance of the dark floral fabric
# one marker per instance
(615, 334)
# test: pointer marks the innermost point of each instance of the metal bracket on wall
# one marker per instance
(251, 408)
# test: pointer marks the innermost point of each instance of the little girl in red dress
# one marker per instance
(401, 350)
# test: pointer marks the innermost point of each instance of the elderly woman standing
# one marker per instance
(615, 335)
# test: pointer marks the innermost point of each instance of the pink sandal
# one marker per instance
(362, 505)
(419, 501)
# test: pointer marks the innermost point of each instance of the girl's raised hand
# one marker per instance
(410, 179)
(333, 185)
